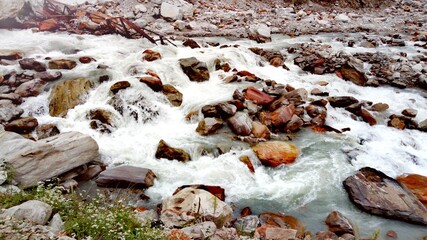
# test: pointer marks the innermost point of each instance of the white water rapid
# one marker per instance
(309, 189)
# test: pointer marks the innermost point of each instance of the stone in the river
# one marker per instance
(209, 126)
(32, 64)
(152, 82)
(318, 92)
(247, 224)
(354, 72)
(172, 94)
(258, 96)
(377, 193)
(102, 115)
(150, 55)
(379, 107)
(191, 204)
(402, 122)
(66, 95)
(342, 101)
(168, 152)
(10, 54)
(409, 112)
(247, 161)
(47, 76)
(217, 191)
(422, 126)
(191, 43)
(9, 111)
(33, 211)
(283, 221)
(31, 88)
(22, 125)
(62, 64)
(260, 130)
(276, 153)
(367, 117)
(417, 184)
(195, 70)
(273, 232)
(116, 87)
(294, 124)
(44, 159)
(296, 96)
(339, 224)
(281, 116)
(48, 25)
(226, 110)
(126, 177)
(46, 130)
(85, 59)
(241, 124)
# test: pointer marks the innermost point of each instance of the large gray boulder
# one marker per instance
(377, 193)
(33, 211)
(10, 9)
(37, 161)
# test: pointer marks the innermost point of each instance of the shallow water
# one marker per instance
(308, 189)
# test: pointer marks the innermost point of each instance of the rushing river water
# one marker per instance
(309, 189)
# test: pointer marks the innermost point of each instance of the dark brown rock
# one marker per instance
(367, 117)
(402, 122)
(282, 115)
(210, 111)
(22, 125)
(313, 110)
(297, 96)
(217, 191)
(116, 87)
(241, 124)
(62, 64)
(85, 59)
(354, 74)
(245, 212)
(150, 55)
(32, 64)
(342, 101)
(209, 126)
(172, 94)
(391, 234)
(126, 177)
(195, 70)
(190, 43)
(339, 224)
(325, 235)
(168, 152)
(152, 82)
(102, 115)
(376, 193)
(409, 112)
(226, 110)
(258, 96)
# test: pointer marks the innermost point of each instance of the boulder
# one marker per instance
(22, 125)
(258, 96)
(240, 124)
(172, 94)
(10, 9)
(116, 87)
(195, 70)
(150, 55)
(9, 111)
(56, 225)
(152, 82)
(30, 88)
(189, 205)
(44, 159)
(217, 191)
(282, 115)
(247, 161)
(126, 177)
(283, 221)
(417, 184)
(342, 101)
(339, 224)
(168, 152)
(62, 64)
(34, 211)
(376, 193)
(275, 153)
(32, 64)
(422, 126)
(66, 95)
(170, 11)
(209, 126)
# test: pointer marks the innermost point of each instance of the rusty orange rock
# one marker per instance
(417, 184)
(275, 153)
(48, 25)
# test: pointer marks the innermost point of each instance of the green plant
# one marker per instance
(375, 235)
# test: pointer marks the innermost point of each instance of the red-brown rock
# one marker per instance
(367, 117)
(275, 153)
(153, 82)
(241, 124)
(282, 115)
(116, 87)
(282, 221)
(32, 64)
(85, 60)
(417, 184)
(339, 224)
(258, 96)
(247, 161)
(150, 55)
(259, 130)
(48, 25)
(168, 152)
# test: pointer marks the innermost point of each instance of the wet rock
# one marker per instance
(165, 151)
(318, 92)
(62, 64)
(247, 161)
(246, 211)
(150, 55)
(417, 184)
(33, 211)
(195, 70)
(402, 122)
(102, 115)
(32, 64)
(46, 130)
(259, 130)
(210, 111)
(247, 225)
(66, 95)
(189, 204)
(258, 96)
(48, 25)
(294, 124)
(191, 43)
(10, 54)
(379, 107)
(281, 116)
(226, 110)
(275, 153)
(203, 230)
(325, 235)
(47, 76)
(22, 125)
(126, 177)
(172, 94)
(422, 126)
(391, 234)
(282, 221)
(342, 101)
(116, 87)
(409, 112)
(354, 72)
(367, 117)
(57, 155)
(339, 224)
(217, 191)
(30, 88)
(376, 193)
(9, 111)
(152, 82)
(297, 96)
(209, 126)
(241, 124)
(272, 232)
(86, 60)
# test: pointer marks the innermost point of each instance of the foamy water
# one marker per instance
(308, 189)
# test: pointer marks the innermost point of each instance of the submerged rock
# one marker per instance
(342, 101)
(168, 152)
(66, 95)
(275, 153)
(376, 193)
(126, 177)
(195, 70)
